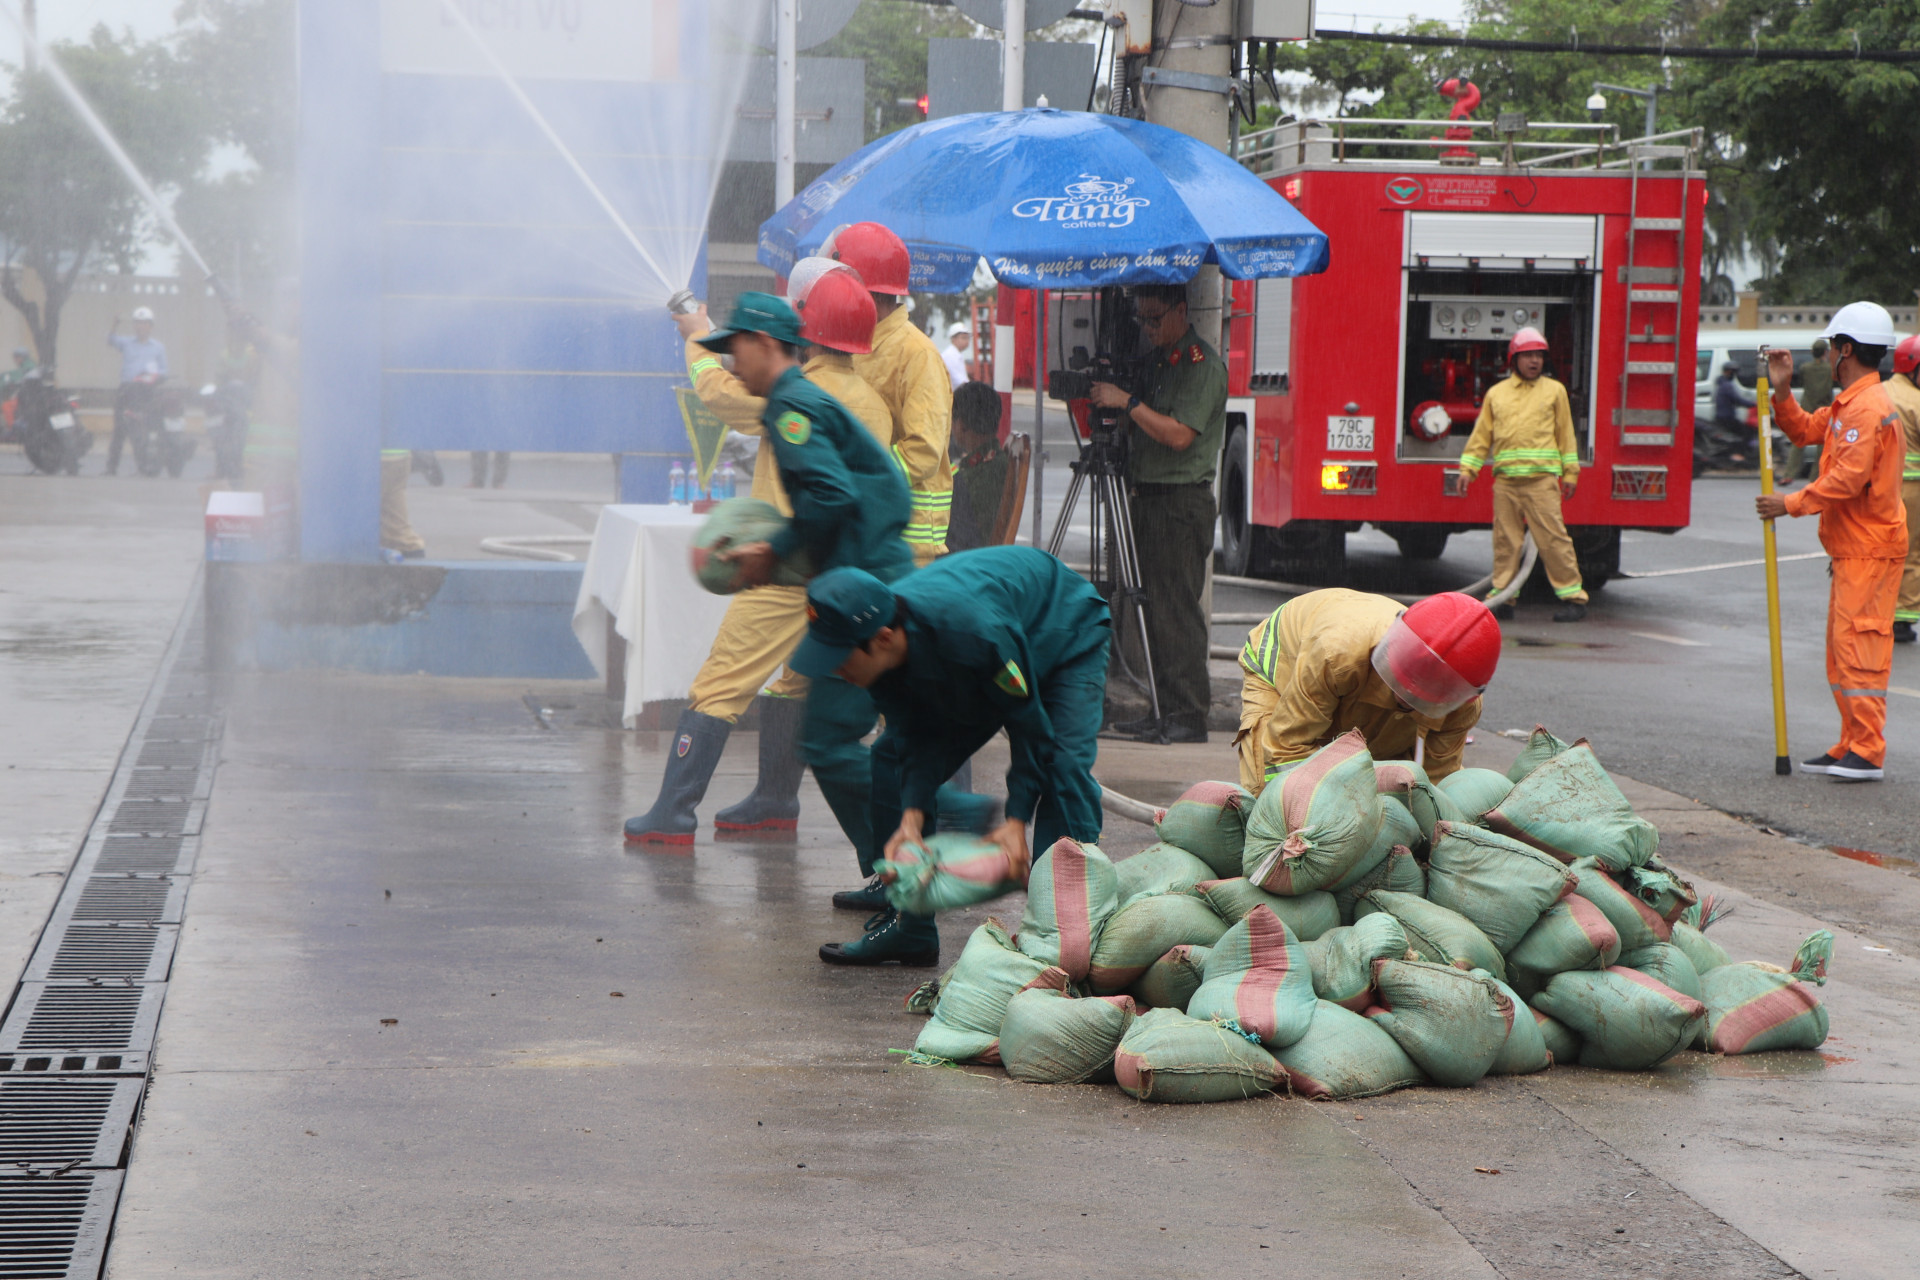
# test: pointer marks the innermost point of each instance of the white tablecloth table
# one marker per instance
(639, 575)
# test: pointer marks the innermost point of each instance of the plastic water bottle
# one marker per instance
(723, 482)
(677, 486)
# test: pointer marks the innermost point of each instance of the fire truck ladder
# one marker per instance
(1653, 296)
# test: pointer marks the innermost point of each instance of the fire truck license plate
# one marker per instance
(1349, 435)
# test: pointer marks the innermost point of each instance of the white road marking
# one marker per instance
(1903, 691)
(1725, 564)
(1655, 635)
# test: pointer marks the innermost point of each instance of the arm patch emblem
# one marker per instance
(1010, 682)
(794, 428)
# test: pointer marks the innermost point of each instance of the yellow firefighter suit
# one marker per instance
(906, 369)
(763, 624)
(1906, 403)
(1309, 678)
(1527, 427)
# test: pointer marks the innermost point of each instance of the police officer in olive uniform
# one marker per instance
(1178, 424)
(1002, 637)
(850, 508)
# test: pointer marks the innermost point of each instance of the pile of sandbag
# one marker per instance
(1355, 930)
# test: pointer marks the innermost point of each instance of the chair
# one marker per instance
(1013, 498)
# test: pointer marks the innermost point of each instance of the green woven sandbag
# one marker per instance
(1398, 830)
(1625, 1020)
(1754, 1008)
(736, 522)
(1476, 790)
(1309, 915)
(1314, 823)
(946, 872)
(1399, 872)
(1258, 978)
(1344, 1055)
(1501, 885)
(1452, 1022)
(1168, 1057)
(1342, 959)
(1572, 934)
(1407, 785)
(1144, 930)
(1160, 868)
(1541, 747)
(1705, 953)
(965, 1026)
(1170, 981)
(1525, 1051)
(1559, 1038)
(1656, 885)
(1637, 923)
(1071, 893)
(1435, 932)
(1667, 965)
(1570, 808)
(1209, 821)
(1049, 1037)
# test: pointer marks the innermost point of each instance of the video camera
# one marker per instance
(1116, 358)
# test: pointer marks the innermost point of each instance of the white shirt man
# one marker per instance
(959, 341)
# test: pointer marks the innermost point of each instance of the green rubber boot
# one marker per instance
(891, 938)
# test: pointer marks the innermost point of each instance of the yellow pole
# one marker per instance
(1782, 762)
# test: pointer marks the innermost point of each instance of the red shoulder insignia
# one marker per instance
(1193, 354)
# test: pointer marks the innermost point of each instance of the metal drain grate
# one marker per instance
(129, 898)
(56, 1228)
(156, 817)
(133, 952)
(160, 753)
(58, 1121)
(157, 855)
(157, 784)
(66, 1020)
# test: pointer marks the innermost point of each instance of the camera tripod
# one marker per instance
(1113, 561)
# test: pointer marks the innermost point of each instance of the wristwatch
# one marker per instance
(1133, 402)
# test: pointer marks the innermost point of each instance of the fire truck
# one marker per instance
(1353, 392)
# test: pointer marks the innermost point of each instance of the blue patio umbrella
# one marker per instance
(1054, 200)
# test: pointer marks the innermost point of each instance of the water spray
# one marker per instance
(106, 139)
(566, 154)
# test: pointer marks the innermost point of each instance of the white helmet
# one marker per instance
(146, 313)
(958, 327)
(1866, 322)
(806, 273)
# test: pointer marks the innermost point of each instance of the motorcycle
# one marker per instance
(47, 424)
(156, 418)
(224, 408)
(1718, 447)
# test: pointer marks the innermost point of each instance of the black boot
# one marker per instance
(773, 807)
(697, 743)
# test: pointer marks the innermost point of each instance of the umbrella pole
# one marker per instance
(1039, 409)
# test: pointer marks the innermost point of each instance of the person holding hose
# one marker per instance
(1526, 427)
(762, 624)
(1409, 678)
(1900, 389)
(1863, 527)
(999, 638)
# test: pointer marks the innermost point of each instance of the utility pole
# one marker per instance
(1013, 57)
(1188, 92)
(786, 67)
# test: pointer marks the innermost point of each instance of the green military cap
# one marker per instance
(845, 607)
(756, 313)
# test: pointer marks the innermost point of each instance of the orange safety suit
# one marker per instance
(1863, 526)
(906, 369)
(763, 624)
(1906, 402)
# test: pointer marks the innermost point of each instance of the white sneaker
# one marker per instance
(1852, 768)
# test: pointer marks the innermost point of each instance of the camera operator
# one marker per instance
(1179, 419)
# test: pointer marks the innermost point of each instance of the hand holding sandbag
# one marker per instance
(944, 873)
(736, 523)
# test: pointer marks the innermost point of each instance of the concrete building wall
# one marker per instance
(187, 317)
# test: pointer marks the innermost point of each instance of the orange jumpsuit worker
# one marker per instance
(1905, 395)
(1408, 678)
(1527, 427)
(1863, 526)
(762, 624)
(906, 369)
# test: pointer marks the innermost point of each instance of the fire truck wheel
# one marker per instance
(1306, 551)
(1598, 550)
(1238, 533)
(1420, 543)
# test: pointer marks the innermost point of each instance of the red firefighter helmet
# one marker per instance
(838, 314)
(1906, 356)
(879, 256)
(1440, 654)
(1527, 339)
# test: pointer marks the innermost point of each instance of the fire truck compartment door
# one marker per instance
(1499, 241)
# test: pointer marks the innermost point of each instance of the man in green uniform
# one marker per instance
(1002, 637)
(850, 509)
(1179, 420)
(1816, 393)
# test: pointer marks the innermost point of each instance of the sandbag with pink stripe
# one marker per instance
(1638, 924)
(1570, 808)
(1753, 1007)
(1071, 893)
(1319, 821)
(1573, 934)
(1051, 1037)
(1258, 978)
(1342, 959)
(1344, 1055)
(1500, 884)
(1626, 1021)
(1452, 1022)
(965, 1026)
(945, 872)
(1209, 821)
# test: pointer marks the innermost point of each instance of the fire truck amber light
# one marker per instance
(1357, 478)
(1333, 477)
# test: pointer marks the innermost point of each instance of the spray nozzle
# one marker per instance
(683, 303)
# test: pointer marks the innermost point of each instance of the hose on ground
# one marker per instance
(537, 546)
(1512, 589)
(1126, 807)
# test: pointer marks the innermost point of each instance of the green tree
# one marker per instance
(892, 36)
(64, 205)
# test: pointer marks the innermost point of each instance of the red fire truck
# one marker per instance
(1353, 392)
